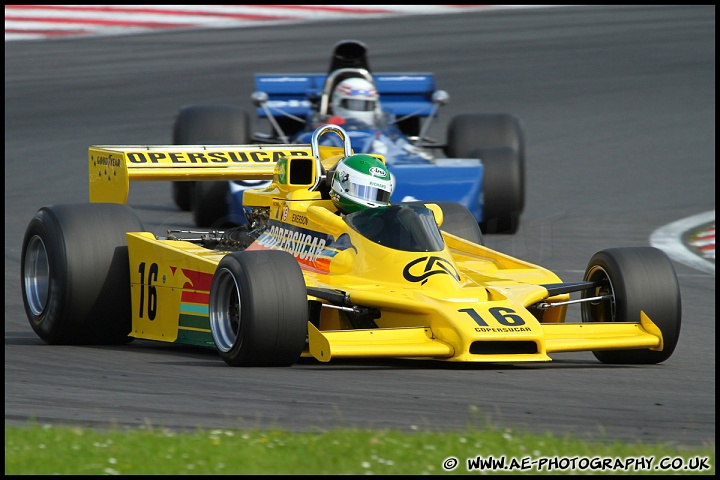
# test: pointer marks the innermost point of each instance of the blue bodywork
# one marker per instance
(419, 174)
(400, 93)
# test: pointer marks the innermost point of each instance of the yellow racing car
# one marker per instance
(308, 278)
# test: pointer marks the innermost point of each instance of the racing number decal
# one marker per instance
(504, 316)
(151, 290)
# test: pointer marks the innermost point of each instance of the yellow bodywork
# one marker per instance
(476, 308)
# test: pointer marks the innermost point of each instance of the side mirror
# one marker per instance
(441, 97)
(437, 212)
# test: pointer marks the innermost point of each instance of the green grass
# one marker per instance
(45, 450)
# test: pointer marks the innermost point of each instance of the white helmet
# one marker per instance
(355, 98)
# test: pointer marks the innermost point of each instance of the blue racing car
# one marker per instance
(480, 164)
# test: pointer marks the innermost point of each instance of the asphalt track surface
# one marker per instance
(618, 106)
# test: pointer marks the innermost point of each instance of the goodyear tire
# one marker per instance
(182, 193)
(503, 197)
(206, 124)
(210, 203)
(75, 273)
(259, 309)
(498, 140)
(471, 131)
(636, 278)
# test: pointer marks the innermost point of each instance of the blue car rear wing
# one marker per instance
(400, 93)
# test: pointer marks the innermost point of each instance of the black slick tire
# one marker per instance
(206, 125)
(635, 279)
(75, 273)
(259, 309)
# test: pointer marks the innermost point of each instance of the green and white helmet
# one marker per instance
(359, 182)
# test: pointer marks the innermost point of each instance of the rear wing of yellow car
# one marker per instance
(112, 168)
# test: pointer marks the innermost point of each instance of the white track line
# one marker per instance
(670, 239)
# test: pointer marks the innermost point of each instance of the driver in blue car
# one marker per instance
(356, 99)
(356, 106)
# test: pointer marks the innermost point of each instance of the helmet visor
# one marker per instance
(372, 194)
(357, 104)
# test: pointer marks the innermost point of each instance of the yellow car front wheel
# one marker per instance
(259, 309)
